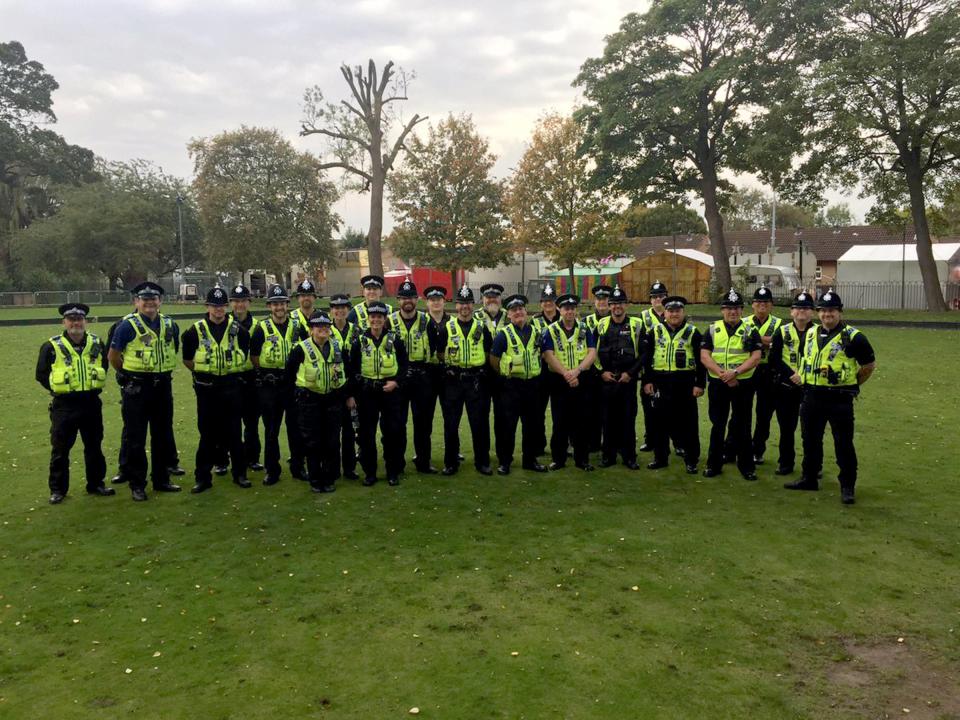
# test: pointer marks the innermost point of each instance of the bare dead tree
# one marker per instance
(357, 134)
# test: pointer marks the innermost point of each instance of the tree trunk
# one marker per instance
(453, 283)
(918, 208)
(718, 244)
(374, 255)
(571, 276)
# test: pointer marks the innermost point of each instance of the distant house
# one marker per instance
(891, 263)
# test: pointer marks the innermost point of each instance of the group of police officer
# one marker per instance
(335, 376)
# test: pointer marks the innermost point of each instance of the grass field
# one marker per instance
(570, 595)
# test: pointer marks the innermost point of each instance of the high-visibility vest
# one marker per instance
(363, 317)
(539, 323)
(668, 349)
(767, 328)
(149, 351)
(321, 373)
(830, 366)
(74, 371)
(299, 318)
(570, 351)
(345, 336)
(276, 345)
(603, 326)
(650, 319)
(520, 360)
(465, 351)
(248, 365)
(415, 338)
(728, 350)
(791, 354)
(492, 324)
(223, 358)
(378, 362)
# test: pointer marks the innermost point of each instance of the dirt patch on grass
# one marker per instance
(892, 679)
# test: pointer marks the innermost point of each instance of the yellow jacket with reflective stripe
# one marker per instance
(76, 372)
(150, 352)
(321, 373)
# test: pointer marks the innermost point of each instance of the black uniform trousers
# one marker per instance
(219, 406)
(147, 401)
(542, 400)
(386, 409)
(320, 417)
(567, 411)
(647, 419)
(675, 416)
(788, 415)
(421, 402)
(171, 444)
(465, 389)
(348, 441)
(250, 412)
(70, 414)
(736, 405)
(275, 398)
(518, 403)
(765, 388)
(593, 389)
(619, 420)
(821, 406)
(297, 459)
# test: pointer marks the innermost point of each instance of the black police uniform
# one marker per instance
(435, 369)
(248, 393)
(275, 396)
(594, 383)
(674, 407)
(619, 353)
(378, 407)
(350, 420)
(71, 413)
(418, 392)
(219, 406)
(540, 321)
(146, 402)
(465, 388)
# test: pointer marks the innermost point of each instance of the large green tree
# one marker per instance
(888, 95)
(262, 203)
(33, 158)
(691, 89)
(122, 227)
(662, 219)
(448, 208)
(358, 134)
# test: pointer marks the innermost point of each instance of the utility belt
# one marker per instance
(125, 379)
(371, 385)
(418, 369)
(826, 392)
(458, 373)
(309, 396)
(206, 380)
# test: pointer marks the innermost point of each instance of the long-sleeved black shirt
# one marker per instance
(781, 371)
(616, 352)
(48, 356)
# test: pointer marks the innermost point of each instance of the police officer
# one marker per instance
(569, 350)
(601, 306)
(763, 381)
(215, 349)
(143, 353)
(730, 352)
(547, 316)
(240, 304)
(515, 357)
(651, 317)
(72, 367)
(412, 326)
(316, 367)
(271, 343)
(436, 298)
(675, 377)
(621, 349)
(601, 309)
(463, 344)
(786, 351)
(306, 293)
(494, 317)
(378, 365)
(372, 292)
(837, 360)
(344, 331)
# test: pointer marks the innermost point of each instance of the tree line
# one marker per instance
(685, 99)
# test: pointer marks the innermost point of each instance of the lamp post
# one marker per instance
(183, 269)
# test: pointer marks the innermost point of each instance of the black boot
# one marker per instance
(802, 484)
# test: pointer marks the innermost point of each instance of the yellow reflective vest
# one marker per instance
(322, 369)
(378, 362)
(248, 365)
(149, 351)
(363, 317)
(276, 345)
(650, 319)
(520, 360)
(668, 349)
(415, 339)
(830, 366)
(767, 328)
(76, 372)
(223, 358)
(465, 351)
(728, 350)
(791, 353)
(570, 351)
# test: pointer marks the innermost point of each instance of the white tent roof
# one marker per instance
(700, 257)
(896, 253)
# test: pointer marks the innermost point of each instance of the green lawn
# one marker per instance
(571, 595)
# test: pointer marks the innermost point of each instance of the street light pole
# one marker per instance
(183, 269)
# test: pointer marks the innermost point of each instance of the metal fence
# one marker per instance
(891, 295)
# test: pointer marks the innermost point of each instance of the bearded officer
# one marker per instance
(316, 367)
(344, 332)
(372, 292)
(143, 353)
(621, 350)
(837, 360)
(306, 293)
(731, 352)
(271, 343)
(377, 364)
(515, 357)
(569, 350)
(651, 317)
(240, 305)
(785, 353)
(767, 325)
(463, 345)
(72, 367)
(675, 377)
(547, 316)
(215, 349)
(412, 326)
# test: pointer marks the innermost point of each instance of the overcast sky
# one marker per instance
(140, 79)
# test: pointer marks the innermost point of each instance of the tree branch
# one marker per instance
(336, 135)
(392, 155)
(348, 167)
